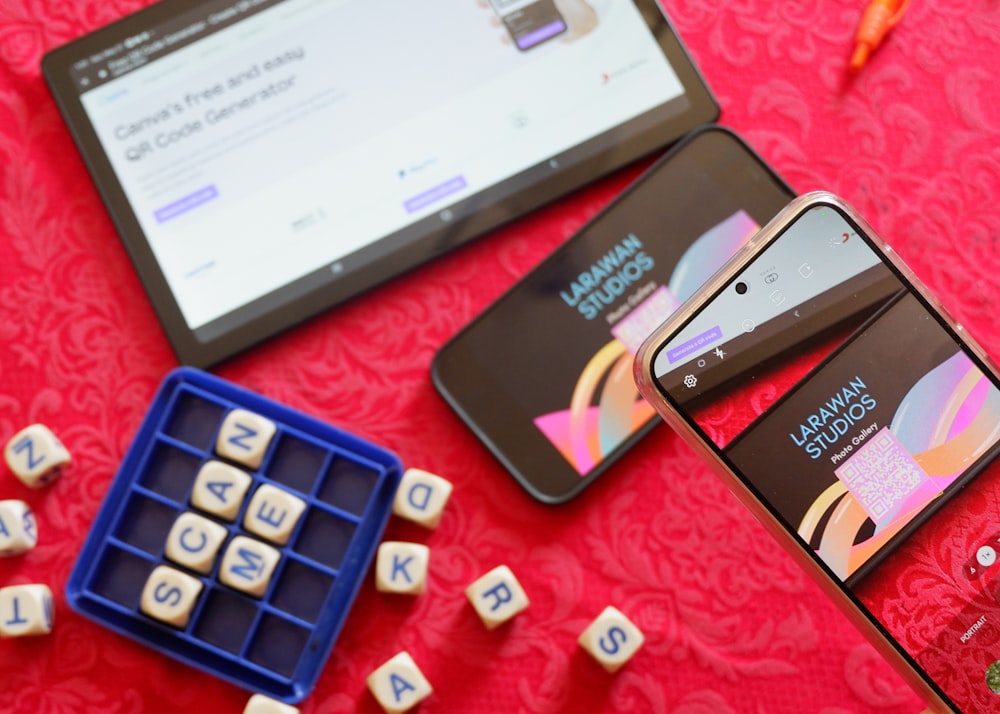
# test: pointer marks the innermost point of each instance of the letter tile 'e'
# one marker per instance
(220, 489)
(248, 565)
(170, 595)
(25, 610)
(18, 529)
(36, 456)
(244, 437)
(421, 497)
(497, 596)
(399, 685)
(273, 513)
(260, 704)
(194, 542)
(611, 639)
(401, 567)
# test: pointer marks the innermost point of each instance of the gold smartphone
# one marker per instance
(860, 424)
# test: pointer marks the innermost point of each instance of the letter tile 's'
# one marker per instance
(497, 596)
(611, 639)
(18, 528)
(220, 489)
(170, 595)
(401, 567)
(25, 610)
(273, 513)
(244, 437)
(399, 685)
(36, 456)
(421, 497)
(248, 565)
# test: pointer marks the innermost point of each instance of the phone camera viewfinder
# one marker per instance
(741, 288)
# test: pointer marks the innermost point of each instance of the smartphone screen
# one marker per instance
(544, 375)
(867, 427)
(530, 22)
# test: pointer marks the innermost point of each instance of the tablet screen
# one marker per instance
(265, 159)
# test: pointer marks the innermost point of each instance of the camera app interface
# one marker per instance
(868, 429)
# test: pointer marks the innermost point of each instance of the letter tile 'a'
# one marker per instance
(399, 685)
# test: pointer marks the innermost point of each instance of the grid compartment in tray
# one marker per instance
(278, 643)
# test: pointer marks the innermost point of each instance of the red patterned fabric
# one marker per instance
(732, 625)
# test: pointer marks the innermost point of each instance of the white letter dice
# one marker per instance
(399, 684)
(259, 704)
(421, 497)
(611, 639)
(194, 541)
(25, 610)
(170, 595)
(248, 565)
(244, 437)
(273, 513)
(18, 529)
(401, 567)
(36, 456)
(220, 489)
(497, 596)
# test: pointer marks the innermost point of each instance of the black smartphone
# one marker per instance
(860, 423)
(530, 22)
(543, 376)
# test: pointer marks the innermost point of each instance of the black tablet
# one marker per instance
(544, 375)
(266, 159)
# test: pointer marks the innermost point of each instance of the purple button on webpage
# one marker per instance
(541, 34)
(694, 344)
(422, 200)
(183, 205)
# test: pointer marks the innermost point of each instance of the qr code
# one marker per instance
(883, 477)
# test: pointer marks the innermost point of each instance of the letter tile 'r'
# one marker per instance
(244, 437)
(497, 596)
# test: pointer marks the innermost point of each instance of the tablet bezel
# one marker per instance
(389, 256)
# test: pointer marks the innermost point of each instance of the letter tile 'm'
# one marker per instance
(421, 497)
(220, 489)
(170, 595)
(36, 456)
(399, 684)
(18, 529)
(611, 639)
(25, 610)
(273, 513)
(401, 567)
(260, 704)
(244, 437)
(497, 596)
(194, 542)
(248, 565)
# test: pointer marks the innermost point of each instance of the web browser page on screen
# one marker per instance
(306, 131)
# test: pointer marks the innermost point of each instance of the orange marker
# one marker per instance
(880, 17)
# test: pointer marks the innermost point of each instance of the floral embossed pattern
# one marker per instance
(731, 623)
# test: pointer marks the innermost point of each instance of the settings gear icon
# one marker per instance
(690, 381)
